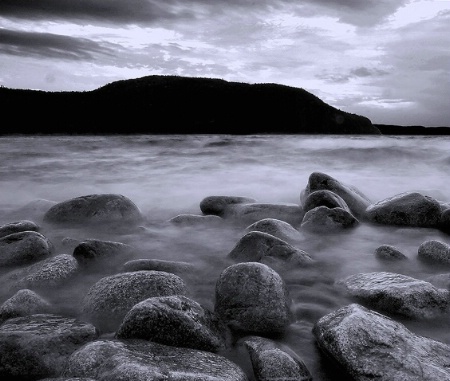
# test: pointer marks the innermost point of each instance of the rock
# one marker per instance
(277, 228)
(251, 297)
(97, 252)
(270, 362)
(324, 197)
(397, 294)
(24, 248)
(132, 360)
(193, 220)
(95, 209)
(444, 221)
(39, 346)
(355, 199)
(407, 209)
(17, 227)
(217, 204)
(23, 303)
(256, 246)
(49, 273)
(108, 300)
(389, 252)
(175, 267)
(325, 220)
(371, 346)
(433, 251)
(173, 320)
(250, 213)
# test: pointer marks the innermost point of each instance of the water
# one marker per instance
(169, 175)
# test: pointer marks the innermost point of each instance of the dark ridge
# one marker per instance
(389, 129)
(176, 105)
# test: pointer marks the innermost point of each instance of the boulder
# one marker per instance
(250, 213)
(23, 248)
(371, 346)
(193, 220)
(217, 204)
(406, 209)
(173, 320)
(109, 299)
(444, 221)
(93, 252)
(324, 197)
(256, 246)
(23, 303)
(175, 267)
(325, 220)
(434, 251)
(389, 252)
(251, 297)
(132, 360)
(277, 228)
(95, 209)
(355, 199)
(17, 227)
(397, 294)
(270, 362)
(38, 346)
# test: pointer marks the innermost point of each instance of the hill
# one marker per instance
(176, 105)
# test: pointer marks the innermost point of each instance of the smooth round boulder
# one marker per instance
(109, 299)
(325, 220)
(324, 197)
(251, 297)
(95, 209)
(173, 320)
(277, 228)
(17, 227)
(193, 220)
(94, 252)
(390, 253)
(433, 251)
(217, 204)
(406, 209)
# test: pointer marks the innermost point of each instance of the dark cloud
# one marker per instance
(46, 45)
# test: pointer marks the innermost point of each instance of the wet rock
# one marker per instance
(175, 267)
(252, 297)
(39, 346)
(389, 252)
(407, 209)
(49, 273)
(94, 252)
(256, 246)
(355, 199)
(173, 320)
(17, 227)
(24, 248)
(217, 204)
(108, 300)
(95, 209)
(250, 213)
(324, 197)
(397, 294)
(434, 251)
(193, 220)
(325, 220)
(270, 362)
(371, 346)
(132, 360)
(23, 303)
(444, 221)
(277, 228)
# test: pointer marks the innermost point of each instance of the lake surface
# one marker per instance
(169, 175)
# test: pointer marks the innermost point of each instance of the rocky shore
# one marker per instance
(135, 317)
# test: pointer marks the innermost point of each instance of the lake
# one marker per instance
(170, 175)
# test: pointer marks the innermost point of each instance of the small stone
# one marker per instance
(434, 251)
(389, 252)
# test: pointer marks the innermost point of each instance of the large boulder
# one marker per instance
(355, 199)
(131, 360)
(24, 248)
(433, 251)
(95, 209)
(174, 320)
(17, 227)
(251, 297)
(324, 197)
(38, 346)
(23, 303)
(444, 221)
(325, 220)
(371, 346)
(217, 205)
(277, 228)
(397, 294)
(406, 209)
(110, 298)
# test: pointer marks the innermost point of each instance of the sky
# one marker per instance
(388, 60)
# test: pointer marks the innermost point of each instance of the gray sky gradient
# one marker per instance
(386, 59)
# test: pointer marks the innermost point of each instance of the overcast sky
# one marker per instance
(388, 60)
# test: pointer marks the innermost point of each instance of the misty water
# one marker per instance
(169, 175)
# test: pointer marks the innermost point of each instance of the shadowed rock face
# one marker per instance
(371, 346)
(277, 228)
(325, 220)
(17, 227)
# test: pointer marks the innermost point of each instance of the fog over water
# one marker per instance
(169, 175)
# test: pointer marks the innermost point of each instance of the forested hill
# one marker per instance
(176, 105)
